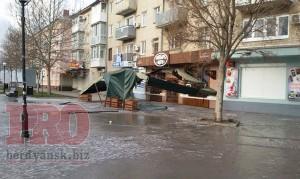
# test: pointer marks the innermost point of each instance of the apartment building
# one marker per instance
(264, 74)
(138, 37)
(89, 44)
(60, 54)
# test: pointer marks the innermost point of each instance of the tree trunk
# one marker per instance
(49, 79)
(220, 90)
(38, 81)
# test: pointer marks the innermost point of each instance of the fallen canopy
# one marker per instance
(96, 86)
(158, 83)
(121, 83)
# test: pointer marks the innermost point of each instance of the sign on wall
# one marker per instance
(161, 59)
(231, 82)
(294, 84)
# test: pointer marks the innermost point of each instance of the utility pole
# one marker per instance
(25, 130)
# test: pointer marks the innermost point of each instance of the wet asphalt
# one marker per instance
(164, 144)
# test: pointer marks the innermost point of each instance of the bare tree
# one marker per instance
(49, 29)
(10, 52)
(218, 24)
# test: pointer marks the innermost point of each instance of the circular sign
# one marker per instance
(161, 59)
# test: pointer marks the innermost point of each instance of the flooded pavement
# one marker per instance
(164, 144)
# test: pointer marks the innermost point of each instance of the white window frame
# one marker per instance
(127, 20)
(144, 19)
(110, 30)
(143, 47)
(277, 37)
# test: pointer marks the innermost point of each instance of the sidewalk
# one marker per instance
(73, 94)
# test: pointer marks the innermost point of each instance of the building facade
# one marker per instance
(60, 55)
(140, 30)
(89, 44)
(264, 74)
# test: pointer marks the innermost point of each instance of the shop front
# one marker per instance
(181, 71)
(264, 81)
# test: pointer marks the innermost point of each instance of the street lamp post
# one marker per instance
(25, 130)
(4, 65)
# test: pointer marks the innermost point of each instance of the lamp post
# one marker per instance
(4, 65)
(25, 130)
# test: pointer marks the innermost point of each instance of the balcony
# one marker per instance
(77, 46)
(126, 33)
(124, 60)
(248, 5)
(174, 15)
(98, 40)
(125, 7)
(79, 27)
(97, 63)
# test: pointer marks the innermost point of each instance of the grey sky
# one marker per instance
(6, 18)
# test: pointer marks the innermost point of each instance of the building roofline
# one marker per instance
(86, 9)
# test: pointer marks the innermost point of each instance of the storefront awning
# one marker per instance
(283, 53)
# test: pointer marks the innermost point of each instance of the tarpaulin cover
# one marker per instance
(96, 86)
(204, 92)
(121, 83)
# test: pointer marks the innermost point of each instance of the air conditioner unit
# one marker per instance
(137, 25)
(81, 19)
(296, 19)
(136, 48)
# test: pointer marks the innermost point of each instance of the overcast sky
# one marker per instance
(6, 18)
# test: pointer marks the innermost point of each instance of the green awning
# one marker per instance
(121, 83)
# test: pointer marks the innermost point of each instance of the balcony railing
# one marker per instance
(126, 7)
(97, 63)
(125, 33)
(174, 15)
(77, 46)
(98, 40)
(124, 60)
(79, 27)
(247, 5)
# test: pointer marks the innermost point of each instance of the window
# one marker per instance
(283, 25)
(156, 12)
(111, 7)
(130, 21)
(103, 7)
(129, 48)
(271, 27)
(110, 30)
(102, 51)
(143, 47)
(99, 29)
(144, 18)
(118, 50)
(259, 28)
(174, 43)
(268, 28)
(98, 51)
(155, 45)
